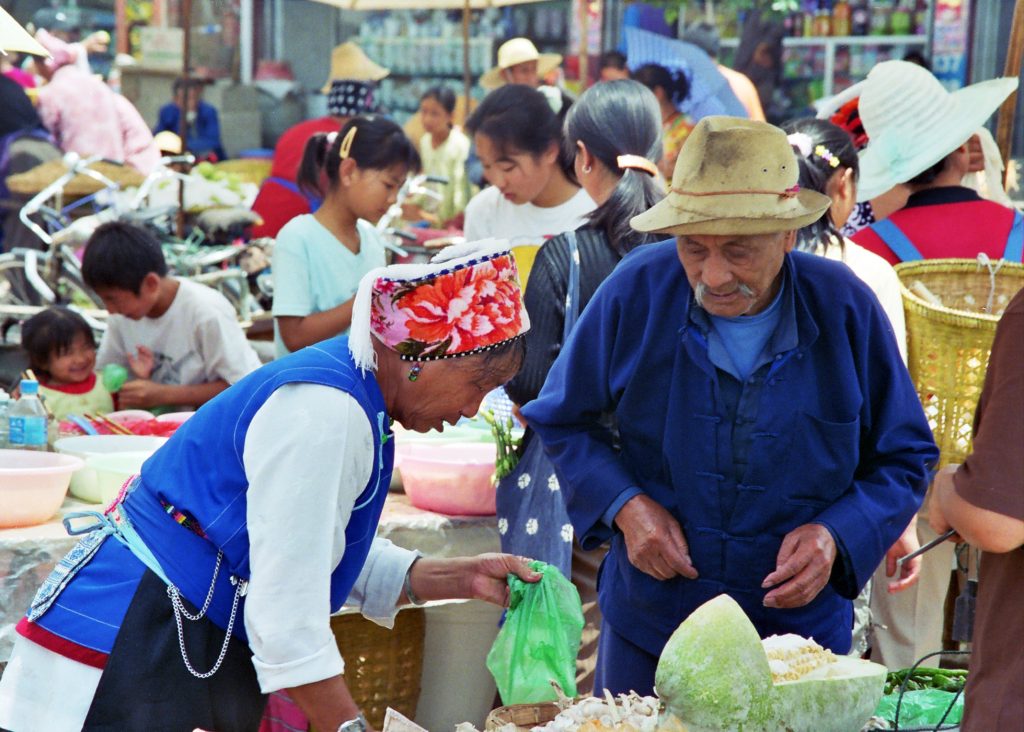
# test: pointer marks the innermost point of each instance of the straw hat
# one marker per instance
(349, 62)
(519, 51)
(14, 38)
(734, 176)
(912, 122)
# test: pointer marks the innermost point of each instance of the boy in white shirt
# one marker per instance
(187, 333)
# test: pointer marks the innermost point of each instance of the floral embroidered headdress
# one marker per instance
(466, 300)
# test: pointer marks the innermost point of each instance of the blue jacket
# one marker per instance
(203, 134)
(839, 439)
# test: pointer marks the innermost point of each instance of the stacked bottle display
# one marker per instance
(818, 18)
(425, 49)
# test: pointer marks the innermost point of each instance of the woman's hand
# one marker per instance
(483, 577)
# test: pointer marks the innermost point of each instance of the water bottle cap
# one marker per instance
(28, 386)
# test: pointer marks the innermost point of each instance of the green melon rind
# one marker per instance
(714, 675)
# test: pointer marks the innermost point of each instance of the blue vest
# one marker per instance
(199, 473)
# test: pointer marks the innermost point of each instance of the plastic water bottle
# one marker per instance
(27, 419)
(5, 405)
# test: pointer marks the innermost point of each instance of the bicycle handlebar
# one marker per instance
(76, 166)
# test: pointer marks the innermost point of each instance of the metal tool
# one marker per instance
(930, 545)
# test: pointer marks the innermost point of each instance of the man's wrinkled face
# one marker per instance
(734, 275)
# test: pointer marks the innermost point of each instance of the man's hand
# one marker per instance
(910, 571)
(654, 540)
(141, 364)
(802, 568)
(140, 394)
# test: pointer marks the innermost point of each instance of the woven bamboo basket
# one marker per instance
(949, 344)
(523, 716)
(382, 667)
(32, 181)
(248, 170)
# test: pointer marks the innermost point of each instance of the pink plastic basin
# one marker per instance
(33, 485)
(454, 479)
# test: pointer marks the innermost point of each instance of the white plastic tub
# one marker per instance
(84, 483)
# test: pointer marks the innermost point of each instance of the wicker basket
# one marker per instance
(523, 716)
(248, 170)
(949, 344)
(382, 667)
(32, 181)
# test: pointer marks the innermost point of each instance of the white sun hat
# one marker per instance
(518, 51)
(912, 122)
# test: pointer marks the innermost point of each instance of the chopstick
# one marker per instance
(930, 545)
(115, 427)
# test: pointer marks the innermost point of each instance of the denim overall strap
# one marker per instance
(1014, 251)
(895, 239)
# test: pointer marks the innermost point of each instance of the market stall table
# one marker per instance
(458, 635)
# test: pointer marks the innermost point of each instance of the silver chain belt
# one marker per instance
(179, 611)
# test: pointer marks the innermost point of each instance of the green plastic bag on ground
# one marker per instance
(540, 639)
(922, 708)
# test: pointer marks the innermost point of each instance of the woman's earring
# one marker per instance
(587, 169)
(414, 372)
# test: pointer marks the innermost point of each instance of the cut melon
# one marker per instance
(717, 674)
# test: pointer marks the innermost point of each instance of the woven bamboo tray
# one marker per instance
(249, 170)
(523, 716)
(32, 181)
(949, 344)
(382, 667)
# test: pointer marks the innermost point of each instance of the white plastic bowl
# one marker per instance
(33, 485)
(449, 477)
(113, 470)
(83, 483)
(175, 417)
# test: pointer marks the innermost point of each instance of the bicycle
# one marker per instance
(417, 185)
(52, 276)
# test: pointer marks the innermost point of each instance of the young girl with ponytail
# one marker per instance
(319, 258)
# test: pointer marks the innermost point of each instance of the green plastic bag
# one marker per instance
(924, 708)
(540, 639)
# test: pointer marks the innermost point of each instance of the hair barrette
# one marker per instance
(346, 144)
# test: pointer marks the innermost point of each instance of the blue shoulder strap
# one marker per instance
(1014, 251)
(895, 239)
(313, 201)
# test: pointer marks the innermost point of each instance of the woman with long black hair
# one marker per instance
(613, 134)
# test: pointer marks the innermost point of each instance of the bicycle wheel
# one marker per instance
(15, 288)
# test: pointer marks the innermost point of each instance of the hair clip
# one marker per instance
(825, 154)
(802, 142)
(637, 162)
(346, 144)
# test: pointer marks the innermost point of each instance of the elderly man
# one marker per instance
(770, 442)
